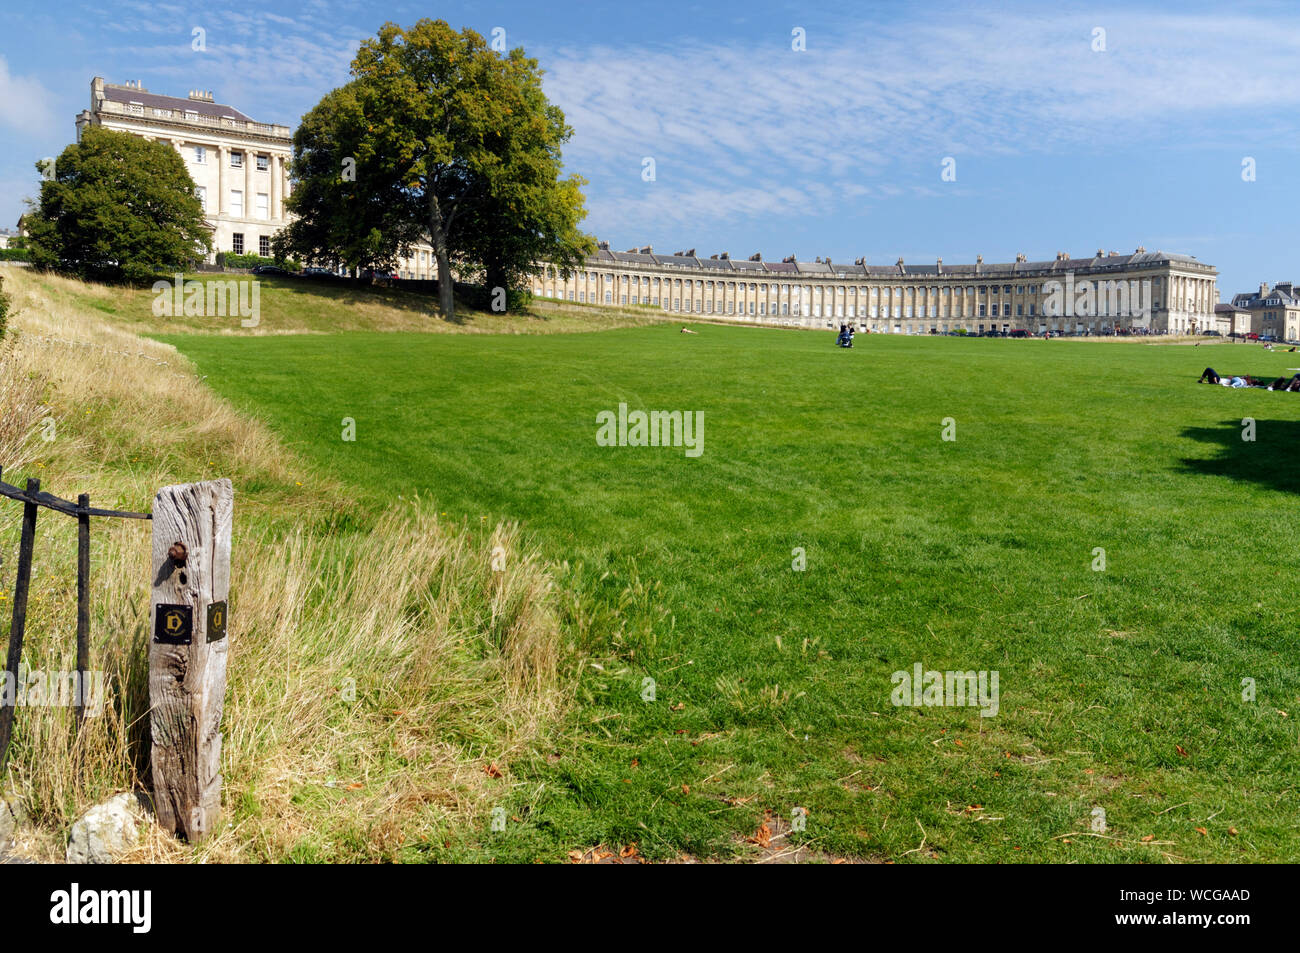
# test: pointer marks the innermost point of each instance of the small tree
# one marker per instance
(118, 206)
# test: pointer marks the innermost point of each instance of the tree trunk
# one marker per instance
(446, 288)
(438, 238)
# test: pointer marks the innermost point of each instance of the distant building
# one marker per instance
(1230, 319)
(239, 165)
(1273, 311)
(1156, 291)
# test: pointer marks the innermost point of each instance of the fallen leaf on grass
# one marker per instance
(492, 771)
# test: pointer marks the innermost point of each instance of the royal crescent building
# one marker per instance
(1157, 290)
(240, 168)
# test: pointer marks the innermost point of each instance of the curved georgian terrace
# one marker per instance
(1159, 291)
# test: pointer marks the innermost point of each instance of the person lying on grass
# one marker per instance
(1286, 383)
(689, 331)
(1210, 376)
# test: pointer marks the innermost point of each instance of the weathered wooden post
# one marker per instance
(187, 652)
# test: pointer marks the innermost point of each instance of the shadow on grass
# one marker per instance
(1272, 459)
(345, 292)
(417, 298)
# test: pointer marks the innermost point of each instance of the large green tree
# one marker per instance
(447, 140)
(118, 206)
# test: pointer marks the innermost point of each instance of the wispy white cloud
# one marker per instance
(868, 112)
(25, 104)
(271, 65)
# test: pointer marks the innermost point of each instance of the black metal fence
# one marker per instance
(32, 499)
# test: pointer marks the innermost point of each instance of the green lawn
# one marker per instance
(1119, 689)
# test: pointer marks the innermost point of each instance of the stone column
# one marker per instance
(250, 190)
(274, 172)
(223, 202)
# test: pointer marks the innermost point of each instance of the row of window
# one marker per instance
(263, 244)
(786, 308)
(235, 205)
(809, 291)
(236, 159)
(551, 273)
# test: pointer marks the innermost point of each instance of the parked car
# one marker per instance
(269, 270)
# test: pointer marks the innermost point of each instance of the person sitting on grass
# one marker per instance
(843, 339)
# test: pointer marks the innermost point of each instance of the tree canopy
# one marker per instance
(438, 139)
(118, 206)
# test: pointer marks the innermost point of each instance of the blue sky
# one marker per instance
(836, 150)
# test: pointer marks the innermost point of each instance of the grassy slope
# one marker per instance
(306, 306)
(380, 666)
(1119, 689)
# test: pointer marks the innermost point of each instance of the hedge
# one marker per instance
(231, 260)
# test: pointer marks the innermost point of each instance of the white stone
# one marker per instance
(105, 832)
